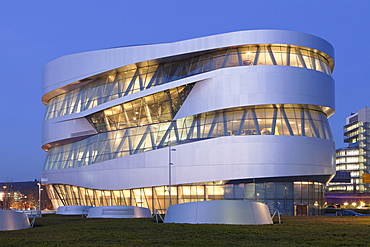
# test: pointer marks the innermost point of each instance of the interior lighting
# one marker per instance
(354, 204)
(345, 204)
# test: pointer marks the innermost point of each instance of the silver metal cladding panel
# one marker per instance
(71, 68)
(224, 158)
(259, 85)
(53, 131)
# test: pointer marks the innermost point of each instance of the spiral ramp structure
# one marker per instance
(239, 116)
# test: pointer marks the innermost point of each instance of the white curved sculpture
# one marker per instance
(11, 220)
(73, 210)
(119, 212)
(219, 212)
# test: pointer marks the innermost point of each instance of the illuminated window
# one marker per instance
(134, 78)
(137, 126)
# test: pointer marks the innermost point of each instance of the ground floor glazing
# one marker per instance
(290, 198)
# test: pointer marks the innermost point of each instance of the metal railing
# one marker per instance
(275, 212)
(158, 215)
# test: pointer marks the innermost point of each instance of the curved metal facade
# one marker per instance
(246, 112)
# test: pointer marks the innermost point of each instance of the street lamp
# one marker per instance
(40, 189)
(5, 198)
(170, 164)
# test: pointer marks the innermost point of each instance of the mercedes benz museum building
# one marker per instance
(234, 116)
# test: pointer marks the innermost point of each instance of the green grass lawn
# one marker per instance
(56, 230)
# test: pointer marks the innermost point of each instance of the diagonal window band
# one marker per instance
(138, 77)
(155, 108)
(123, 139)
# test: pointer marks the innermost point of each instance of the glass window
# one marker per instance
(270, 191)
(229, 191)
(131, 78)
(157, 197)
(134, 130)
(239, 191)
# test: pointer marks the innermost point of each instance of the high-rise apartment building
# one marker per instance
(350, 185)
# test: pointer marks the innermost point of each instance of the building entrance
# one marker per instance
(300, 210)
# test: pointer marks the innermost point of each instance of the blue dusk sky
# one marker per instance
(36, 32)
